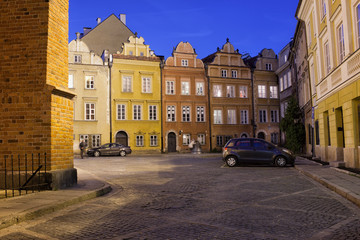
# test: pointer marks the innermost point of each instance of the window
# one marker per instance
(89, 82)
(89, 111)
(217, 116)
(281, 84)
(233, 73)
(230, 91)
(170, 87)
(121, 112)
(273, 92)
(77, 59)
(243, 92)
(186, 113)
(185, 88)
(317, 133)
(127, 84)
(186, 139)
(85, 138)
(139, 141)
(141, 54)
(200, 114)
(220, 141)
(153, 140)
(146, 85)
(71, 81)
(137, 112)
(217, 91)
(131, 53)
(289, 79)
(224, 73)
(184, 62)
(323, 9)
(327, 58)
(341, 43)
(200, 88)
(231, 116)
(285, 83)
(268, 66)
(244, 116)
(358, 23)
(274, 116)
(201, 138)
(152, 112)
(262, 116)
(96, 140)
(170, 113)
(262, 91)
(274, 138)
(309, 37)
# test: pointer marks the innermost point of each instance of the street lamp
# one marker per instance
(110, 63)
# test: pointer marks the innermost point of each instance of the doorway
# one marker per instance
(122, 138)
(171, 142)
(261, 135)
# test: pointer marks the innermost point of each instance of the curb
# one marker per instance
(337, 189)
(30, 215)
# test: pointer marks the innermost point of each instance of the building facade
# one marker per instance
(89, 79)
(136, 97)
(184, 101)
(230, 95)
(333, 41)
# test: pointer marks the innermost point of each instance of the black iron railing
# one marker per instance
(23, 174)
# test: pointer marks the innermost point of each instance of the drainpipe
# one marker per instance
(161, 101)
(110, 63)
(253, 102)
(209, 109)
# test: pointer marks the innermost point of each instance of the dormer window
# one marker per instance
(268, 66)
(77, 59)
(184, 62)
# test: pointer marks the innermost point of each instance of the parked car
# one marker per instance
(109, 149)
(253, 150)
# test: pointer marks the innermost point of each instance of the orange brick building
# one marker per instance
(36, 107)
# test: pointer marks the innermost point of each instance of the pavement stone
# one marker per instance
(22, 208)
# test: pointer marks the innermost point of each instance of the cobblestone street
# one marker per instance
(196, 197)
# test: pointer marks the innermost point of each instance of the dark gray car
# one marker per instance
(109, 149)
(253, 150)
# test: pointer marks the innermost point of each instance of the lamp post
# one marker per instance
(110, 63)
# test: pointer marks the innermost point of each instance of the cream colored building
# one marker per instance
(333, 39)
(88, 78)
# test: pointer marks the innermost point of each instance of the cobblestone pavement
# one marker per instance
(196, 197)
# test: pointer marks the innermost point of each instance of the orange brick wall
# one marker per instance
(36, 111)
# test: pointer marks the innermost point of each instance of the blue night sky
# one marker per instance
(250, 25)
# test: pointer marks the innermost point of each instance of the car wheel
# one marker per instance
(280, 161)
(122, 153)
(97, 154)
(231, 161)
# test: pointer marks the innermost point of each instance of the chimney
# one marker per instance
(123, 18)
(86, 30)
(78, 36)
(98, 20)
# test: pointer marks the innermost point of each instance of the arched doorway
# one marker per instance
(171, 142)
(244, 135)
(122, 138)
(261, 135)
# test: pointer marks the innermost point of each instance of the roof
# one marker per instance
(110, 34)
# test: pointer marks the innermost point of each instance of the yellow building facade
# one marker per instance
(333, 42)
(136, 97)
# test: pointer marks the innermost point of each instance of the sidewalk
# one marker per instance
(26, 207)
(345, 183)
(33, 205)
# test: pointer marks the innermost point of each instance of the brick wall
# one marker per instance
(36, 109)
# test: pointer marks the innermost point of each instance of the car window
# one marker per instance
(243, 143)
(106, 145)
(259, 145)
(231, 143)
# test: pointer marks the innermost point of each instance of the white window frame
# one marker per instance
(184, 62)
(126, 83)
(341, 42)
(218, 116)
(262, 91)
(137, 112)
(243, 92)
(96, 140)
(244, 116)
(230, 91)
(186, 139)
(171, 113)
(84, 137)
(327, 58)
(185, 88)
(146, 84)
(170, 87)
(186, 114)
(357, 9)
(200, 114)
(77, 59)
(153, 140)
(234, 74)
(217, 90)
(268, 66)
(323, 9)
(89, 82)
(139, 140)
(274, 92)
(262, 116)
(90, 111)
(231, 116)
(120, 111)
(201, 138)
(274, 116)
(71, 81)
(200, 88)
(153, 112)
(223, 73)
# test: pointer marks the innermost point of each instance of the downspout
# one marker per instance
(161, 101)
(209, 109)
(253, 102)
